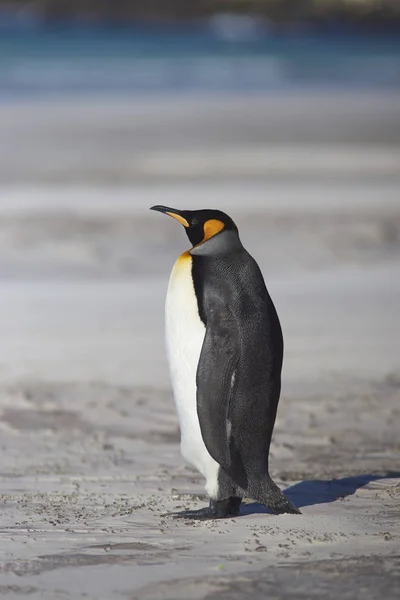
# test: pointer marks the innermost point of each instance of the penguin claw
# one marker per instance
(203, 514)
(225, 509)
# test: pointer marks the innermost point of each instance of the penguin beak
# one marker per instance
(172, 212)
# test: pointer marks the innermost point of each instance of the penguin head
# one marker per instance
(200, 225)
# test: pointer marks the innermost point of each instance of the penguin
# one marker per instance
(225, 350)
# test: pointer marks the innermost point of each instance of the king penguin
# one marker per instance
(225, 350)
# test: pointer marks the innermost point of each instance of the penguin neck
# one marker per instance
(221, 243)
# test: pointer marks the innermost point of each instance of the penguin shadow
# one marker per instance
(319, 491)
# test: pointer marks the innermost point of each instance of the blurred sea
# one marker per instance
(35, 61)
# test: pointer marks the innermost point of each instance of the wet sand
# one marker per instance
(88, 431)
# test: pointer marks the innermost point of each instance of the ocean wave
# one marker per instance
(77, 64)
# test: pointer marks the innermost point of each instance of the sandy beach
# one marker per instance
(88, 430)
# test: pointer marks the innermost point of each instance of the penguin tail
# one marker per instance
(269, 494)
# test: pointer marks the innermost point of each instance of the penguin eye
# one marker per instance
(194, 222)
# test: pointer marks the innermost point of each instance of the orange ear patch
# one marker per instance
(212, 227)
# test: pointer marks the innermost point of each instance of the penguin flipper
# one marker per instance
(215, 376)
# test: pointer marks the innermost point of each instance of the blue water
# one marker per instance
(84, 60)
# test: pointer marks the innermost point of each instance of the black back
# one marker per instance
(239, 371)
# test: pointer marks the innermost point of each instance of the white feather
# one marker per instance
(184, 339)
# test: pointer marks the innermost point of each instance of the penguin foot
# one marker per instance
(223, 509)
(271, 496)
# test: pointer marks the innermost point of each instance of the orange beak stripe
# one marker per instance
(180, 219)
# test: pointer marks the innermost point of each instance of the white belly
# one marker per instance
(184, 339)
